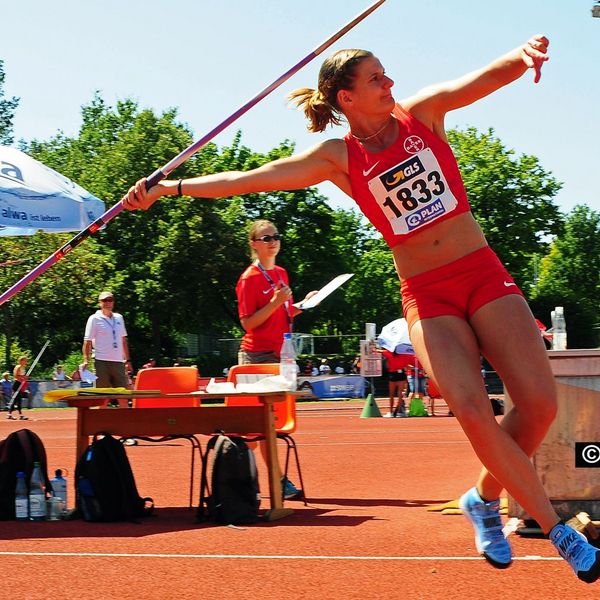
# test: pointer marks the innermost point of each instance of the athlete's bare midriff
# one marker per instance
(438, 245)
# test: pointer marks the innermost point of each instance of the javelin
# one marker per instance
(161, 173)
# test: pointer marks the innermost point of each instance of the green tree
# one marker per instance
(178, 264)
(511, 198)
(570, 276)
(55, 305)
(7, 111)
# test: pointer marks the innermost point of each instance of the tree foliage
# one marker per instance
(511, 198)
(7, 111)
(569, 276)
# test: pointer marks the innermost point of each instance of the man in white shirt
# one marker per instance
(105, 331)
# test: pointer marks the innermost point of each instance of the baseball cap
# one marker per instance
(104, 295)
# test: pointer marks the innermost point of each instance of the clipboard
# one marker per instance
(333, 285)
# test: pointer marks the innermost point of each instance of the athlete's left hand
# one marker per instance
(535, 54)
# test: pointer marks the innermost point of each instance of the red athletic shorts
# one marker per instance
(459, 288)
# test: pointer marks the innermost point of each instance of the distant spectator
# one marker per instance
(6, 389)
(19, 387)
(60, 375)
(324, 368)
(150, 364)
(339, 370)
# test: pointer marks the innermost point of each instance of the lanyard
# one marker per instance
(274, 287)
(113, 325)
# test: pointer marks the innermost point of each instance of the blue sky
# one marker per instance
(208, 58)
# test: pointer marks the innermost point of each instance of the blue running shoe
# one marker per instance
(485, 518)
(574, 548)
(290, 491)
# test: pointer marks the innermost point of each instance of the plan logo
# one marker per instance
(425, 214)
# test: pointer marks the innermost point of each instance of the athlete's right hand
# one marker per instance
(138, 198)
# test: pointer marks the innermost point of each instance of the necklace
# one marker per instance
(364, 139)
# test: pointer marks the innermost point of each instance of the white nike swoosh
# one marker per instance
(365, 173)
(509, 283)
(267, 291)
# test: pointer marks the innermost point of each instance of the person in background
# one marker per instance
(19, 388)
(150, 364)
(457, 297)
(324, 368)
(417, 387)
(60, 375)
(105, 332)
(308, 367)
(6, 390)
(265, 306)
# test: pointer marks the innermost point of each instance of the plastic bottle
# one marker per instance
(21, 499)
(559, 329)
(37, 494)
(287, 362)
(59, 486)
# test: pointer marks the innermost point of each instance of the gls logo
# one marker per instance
(401, 173)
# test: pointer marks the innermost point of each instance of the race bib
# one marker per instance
(413, 193)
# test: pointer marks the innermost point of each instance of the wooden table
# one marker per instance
(132, 422)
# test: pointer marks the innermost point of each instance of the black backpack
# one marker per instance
(18, 452)
(235, 495)
(105, 485)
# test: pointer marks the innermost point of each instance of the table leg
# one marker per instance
(277, 511)
(83, 439)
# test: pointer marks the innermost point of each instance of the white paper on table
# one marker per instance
(333, 285)
(87, 376)
(274, 383)
(220, 387)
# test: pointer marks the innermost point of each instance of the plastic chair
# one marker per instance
(170, 380)
(284, 412)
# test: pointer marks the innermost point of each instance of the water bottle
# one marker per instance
(287, 362)
(559, 329)
(59, 485)
(37, 494)
(21, 500)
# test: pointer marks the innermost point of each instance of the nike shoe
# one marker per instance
(575, 549)
(485, 518)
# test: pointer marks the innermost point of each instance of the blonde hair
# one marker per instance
(254, 229)
(337, 73)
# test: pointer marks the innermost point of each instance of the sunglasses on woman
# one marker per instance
(269, 238)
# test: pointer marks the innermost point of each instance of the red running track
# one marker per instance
(366, 533)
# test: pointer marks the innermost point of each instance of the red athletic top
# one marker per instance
(255, 290)
(408, 186)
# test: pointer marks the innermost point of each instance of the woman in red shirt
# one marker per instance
(265, 302)
(459, 300)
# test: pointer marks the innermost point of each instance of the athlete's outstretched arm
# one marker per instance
(433, 102)
(317, 164)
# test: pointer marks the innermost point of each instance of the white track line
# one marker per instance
(270, 556)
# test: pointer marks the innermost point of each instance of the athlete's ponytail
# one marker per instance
(320, 106)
